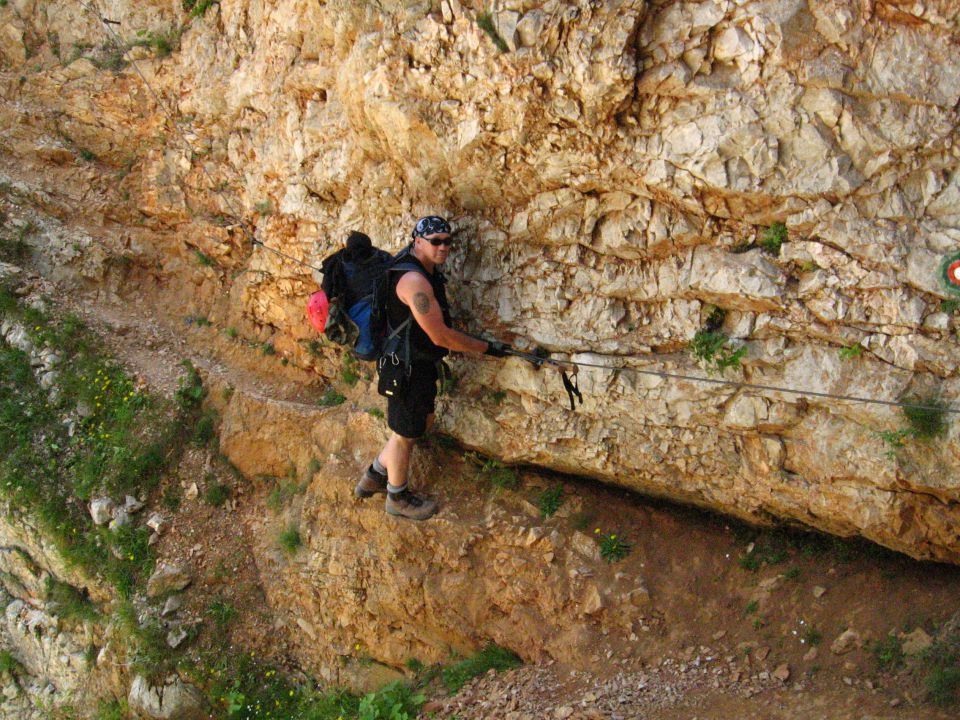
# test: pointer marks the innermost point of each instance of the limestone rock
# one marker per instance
(847, 640)
(174, 700)
(101, 510)
(914, 643)
(167, 578)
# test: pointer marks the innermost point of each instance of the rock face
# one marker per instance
(611, 174)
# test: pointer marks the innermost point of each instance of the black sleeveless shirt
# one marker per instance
(422, 348)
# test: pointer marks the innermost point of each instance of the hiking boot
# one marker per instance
(406, 504)
(371, 482)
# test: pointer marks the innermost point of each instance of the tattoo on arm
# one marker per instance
(422, 303)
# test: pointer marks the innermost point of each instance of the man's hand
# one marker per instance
(497, 349)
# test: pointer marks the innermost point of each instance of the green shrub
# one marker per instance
(231, 332)
(331, 398)
(8, 663)
(850, 353)
(349, 374)
(217, 494)
(485, 21)
(203, 259)
(927, 417)
(268, 349)
(950, 307)
(941, 662)
(70, 602)
(773, 238)
(888, 653)
(375, 412)
(290, 540)
(943, 685)
(491, 657)
(710, 348)
(550, 500)
(112, 710)
(613, 548)
(393, 702)
(812, 637)
(222, 613)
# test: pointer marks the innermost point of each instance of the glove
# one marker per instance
(496, 349)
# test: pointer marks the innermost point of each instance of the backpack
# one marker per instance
(394, 363)
(349, 284)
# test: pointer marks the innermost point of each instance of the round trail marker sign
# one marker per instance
(951, 273)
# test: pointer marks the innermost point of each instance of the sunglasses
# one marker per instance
(437, 242)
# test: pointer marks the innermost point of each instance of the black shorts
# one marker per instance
(407, 414)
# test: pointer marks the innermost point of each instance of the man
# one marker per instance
(419, 293)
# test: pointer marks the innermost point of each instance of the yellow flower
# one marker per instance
(597, 531)
(613, 537)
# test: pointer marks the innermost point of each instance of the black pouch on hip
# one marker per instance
(393, 368)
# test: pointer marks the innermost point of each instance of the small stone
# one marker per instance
(173, 603)
(167, 578)
(562, 713)
(895, 702)
(761, 653)
(157, 523)
(719, 635)
(848, 681)
(782, 673)
(847, 641)
(819, 591)
(101, 510)
(192, 492)
(121, 518)
(810, 655)
(915, 642)
(132, 505)
(176, 636)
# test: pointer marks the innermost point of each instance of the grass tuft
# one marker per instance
(550, 500)
(290, 540)
(491, 657)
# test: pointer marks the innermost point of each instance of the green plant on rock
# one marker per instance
(710, 348)
(331, 398)
(613, 547)
(888, 653)
(550, 500)
(499, 475)
(68, 601)
(491, 657)
(486, 23)
(940, 664)
(197, 8)
(222, 613)
(9, 665)
(217, 494)
(349, 373)
(927, 417)
(850, 353)
(773, 238)
(950, 307)
(290, 539)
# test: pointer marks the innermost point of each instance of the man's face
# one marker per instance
(437, 254)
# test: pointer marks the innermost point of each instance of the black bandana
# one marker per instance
(431, 225)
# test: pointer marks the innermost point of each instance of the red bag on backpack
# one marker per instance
(318, 307)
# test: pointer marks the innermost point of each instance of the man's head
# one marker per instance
(432, 238)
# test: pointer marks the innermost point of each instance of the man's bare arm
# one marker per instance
(414, 290)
